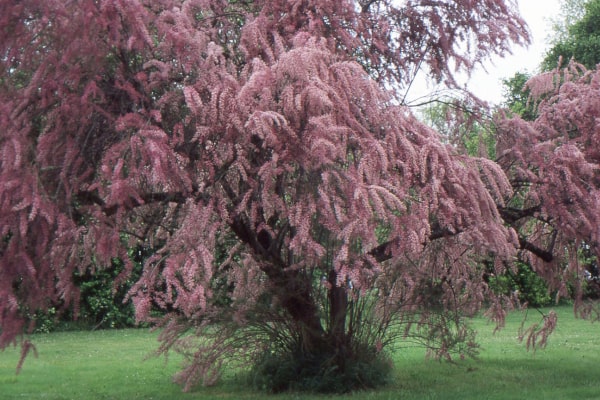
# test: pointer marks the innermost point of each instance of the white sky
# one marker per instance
(537, 14)
(488, 85)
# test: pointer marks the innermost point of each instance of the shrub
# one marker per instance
(317, 371)
(103, 304)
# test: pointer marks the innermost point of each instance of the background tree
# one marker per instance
(570, 12)
(517, 97)
(578, 38)
(292, 208)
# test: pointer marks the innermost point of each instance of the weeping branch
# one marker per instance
(512, 215)
(383, 252)
(544, 255)
(92, 198)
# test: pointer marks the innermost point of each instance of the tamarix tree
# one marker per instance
(296, 215)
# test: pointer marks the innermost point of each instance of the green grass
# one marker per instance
(112, 365)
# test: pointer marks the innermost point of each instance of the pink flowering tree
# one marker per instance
(292, 206)
(553, 164)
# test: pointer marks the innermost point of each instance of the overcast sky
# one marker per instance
(537, 14)
(488, 85)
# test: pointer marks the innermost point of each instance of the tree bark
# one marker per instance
(338, 312)
(338, 308)
(295, 293)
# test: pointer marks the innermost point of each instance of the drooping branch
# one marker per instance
(383, 252)
(544, 255)
(85, 197)
(512, 215)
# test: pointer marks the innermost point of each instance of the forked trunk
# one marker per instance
(296, 295)
(298, 299)
(324, 354)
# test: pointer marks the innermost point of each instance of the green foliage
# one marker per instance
(530, 287)
(516, 96)
(580, 42)
(461, 125)
(591, 287)
(104, 304)
(45, 322)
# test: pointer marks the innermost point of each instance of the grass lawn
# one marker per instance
(112, 365)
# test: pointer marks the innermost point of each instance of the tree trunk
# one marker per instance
(296, 295)
(338, 311)
(338, 308)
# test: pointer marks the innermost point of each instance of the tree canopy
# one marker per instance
(284, 196)
(579, 38)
